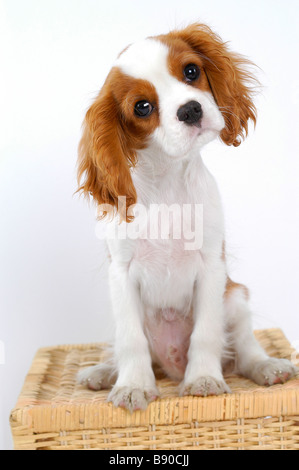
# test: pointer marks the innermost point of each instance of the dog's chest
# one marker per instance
(165, 272)
(182, 221)
(167, 258)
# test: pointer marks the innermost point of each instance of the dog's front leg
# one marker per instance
(203, 375)
(135, 385)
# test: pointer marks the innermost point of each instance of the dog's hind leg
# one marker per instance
(100, 376)
(251, 359)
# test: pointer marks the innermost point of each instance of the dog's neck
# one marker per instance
(157, 175)
(153, 162)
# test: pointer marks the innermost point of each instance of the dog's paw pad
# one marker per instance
(132, 399)
(205, 386)
(273, 371)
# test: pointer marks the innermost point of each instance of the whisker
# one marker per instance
(232, 114)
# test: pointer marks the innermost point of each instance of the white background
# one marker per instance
(54, 57)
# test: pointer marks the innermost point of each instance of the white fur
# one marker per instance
(148, 275)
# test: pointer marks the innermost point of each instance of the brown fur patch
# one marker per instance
(112, 134)
(228, 77)
(231, 286)
(180, 55)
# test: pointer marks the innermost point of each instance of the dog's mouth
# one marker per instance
(196, 129)
(197, 125)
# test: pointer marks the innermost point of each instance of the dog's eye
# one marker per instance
(191, 72)
(143, 108)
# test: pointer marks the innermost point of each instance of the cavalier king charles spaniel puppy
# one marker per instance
(174, 304)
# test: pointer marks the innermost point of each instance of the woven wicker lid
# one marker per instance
(51, 400)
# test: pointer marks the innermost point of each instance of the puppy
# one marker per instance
(173, 302)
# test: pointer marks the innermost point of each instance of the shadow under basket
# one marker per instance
(53, 412)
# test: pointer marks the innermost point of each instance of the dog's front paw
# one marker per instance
(204, 386)
(132, 398)
(272, 371)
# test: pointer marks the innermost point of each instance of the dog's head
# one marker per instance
(174, 93)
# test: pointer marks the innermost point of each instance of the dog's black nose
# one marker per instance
(190, 113)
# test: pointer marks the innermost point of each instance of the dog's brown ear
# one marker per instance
(104, 157)
(230, 80)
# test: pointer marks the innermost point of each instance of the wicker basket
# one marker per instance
(53, 412)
